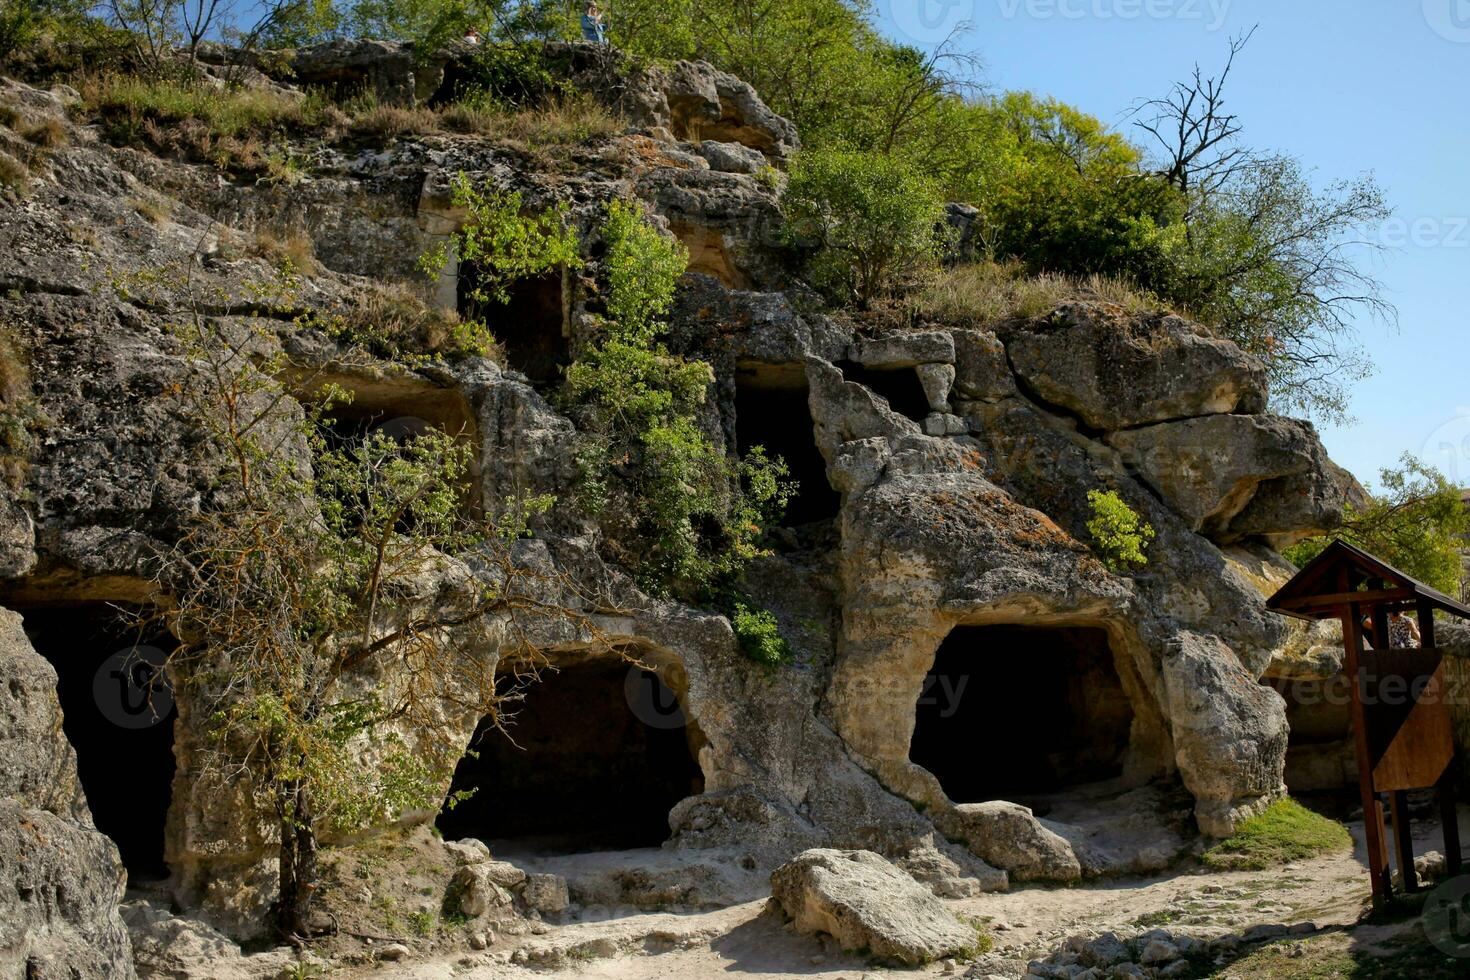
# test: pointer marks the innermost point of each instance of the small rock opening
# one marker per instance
(118, 714)
(401, 408)
(531, 327)
(1021, 712)
(900, 387)
(772, 410)
(597, 754)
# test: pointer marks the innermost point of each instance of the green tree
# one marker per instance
(336, 690)
(682, 513)
(1120, 537)
(868, 222)
(1277, 266)
(1417, 522)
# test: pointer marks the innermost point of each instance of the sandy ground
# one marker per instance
(745, 941)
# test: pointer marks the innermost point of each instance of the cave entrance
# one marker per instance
(597, 754)
(118, 714)
(1021, 712)
(772, 410)
(900, 387)
(1319, 752)
(531, 327)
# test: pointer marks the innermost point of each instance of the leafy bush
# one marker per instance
(686, 515)
(759, 635)
(1417, 524)
(868, 221)
(1119, 536)
(503, 243)
(395, 323)
(1285, 831)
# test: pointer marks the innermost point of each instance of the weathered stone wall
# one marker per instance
(972, 513)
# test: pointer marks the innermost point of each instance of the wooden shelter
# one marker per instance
(1401, 722)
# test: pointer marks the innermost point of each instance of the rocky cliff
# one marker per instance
(947, 499)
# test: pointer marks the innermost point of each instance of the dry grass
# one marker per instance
(562, 122)
(14, 175)
(989, 292)
(49, 134)
(150, 209)
(396, 322)
(19, 414)
(9, 116)
(281, 247)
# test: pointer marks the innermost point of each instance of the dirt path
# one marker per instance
(1322, 894)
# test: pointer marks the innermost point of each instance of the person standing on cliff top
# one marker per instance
(593, 27)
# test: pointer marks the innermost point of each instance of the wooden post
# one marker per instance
(1352, 639)
(1449, 815)
(1403, 839)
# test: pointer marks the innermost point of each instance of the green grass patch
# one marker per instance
(1285, 831)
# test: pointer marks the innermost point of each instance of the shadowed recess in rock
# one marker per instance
(529, 328)
(119, 716)
(780, 419)
(899, 386)
(1319, 753)
(1013, 711)
(600, 756)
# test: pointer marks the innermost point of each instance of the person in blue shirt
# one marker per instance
(593, 26)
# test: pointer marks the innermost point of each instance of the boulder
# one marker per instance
(545, 893)
(1009, 836)
(473, 891)
(891, 351)
(1115, 371)
(1210, 469)
(865, 903)
(708, 104)
(1229, 732)
(981, 369)
(60, 880)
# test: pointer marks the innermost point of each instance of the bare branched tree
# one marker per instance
(1196, 135)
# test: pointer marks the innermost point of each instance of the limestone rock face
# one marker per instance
(970, 514)
(60, 880)
(864, 902)
(1116, 372)
(1214, 468)
(1230, 732)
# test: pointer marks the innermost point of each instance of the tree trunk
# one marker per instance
(298, 860)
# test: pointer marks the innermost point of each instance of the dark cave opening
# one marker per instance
(530, 327)
(778, 417)
(118, 714)
(1011, 712)
(900, 387)
(600, 753)
(1319, 752)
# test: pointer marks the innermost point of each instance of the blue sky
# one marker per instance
(1346, 86)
